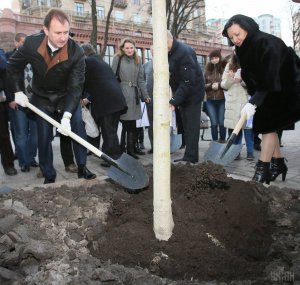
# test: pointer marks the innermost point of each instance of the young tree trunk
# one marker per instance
(162, 213)
(94, 24)
(103, 50)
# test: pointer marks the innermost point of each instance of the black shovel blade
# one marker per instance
(216, 149)
(130, 173)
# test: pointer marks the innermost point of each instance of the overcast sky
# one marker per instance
(253, 8)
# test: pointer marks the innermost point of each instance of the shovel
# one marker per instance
(126, 171)
(175, 139)
(224, 154)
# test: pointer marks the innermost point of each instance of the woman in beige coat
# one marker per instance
(235, 99)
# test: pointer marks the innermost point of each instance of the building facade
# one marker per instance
(129, 18)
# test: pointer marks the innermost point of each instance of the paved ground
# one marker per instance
(241, 169)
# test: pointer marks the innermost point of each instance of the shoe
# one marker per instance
(221, 141)
(34, 164)
(139, 151)
(25, 168)
(150, 151)
(10, 171)
(278, 167)
(184, 160)
(72, 168)
(262, 172)
(83, 172)
(250, 156)
(182, 146)
(132, 154)
(49, 180)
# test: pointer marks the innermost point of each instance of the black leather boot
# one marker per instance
(262, 172)
(278, 167)
(83, 172)
(131, 139)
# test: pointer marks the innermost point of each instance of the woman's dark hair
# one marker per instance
(245, 22)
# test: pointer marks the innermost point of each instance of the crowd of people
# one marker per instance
(60, 77)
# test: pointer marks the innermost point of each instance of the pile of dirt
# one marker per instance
(225, 230)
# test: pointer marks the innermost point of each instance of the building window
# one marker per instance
(119, 16)
(136, 2)
(148, 55)
(100, 12)
(137, 18)
(139, 52)
(79, 9)
(109, 54)
(201, 61)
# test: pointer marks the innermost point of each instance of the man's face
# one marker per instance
(57, 33)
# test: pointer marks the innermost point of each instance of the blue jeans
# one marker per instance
(25, 131)
(45, 134)
(249, 138)
(216, 112)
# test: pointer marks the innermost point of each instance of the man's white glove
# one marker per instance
(65, 123)
(249, 109)
(21, 99)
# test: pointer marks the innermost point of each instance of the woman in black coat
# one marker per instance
(271, 71)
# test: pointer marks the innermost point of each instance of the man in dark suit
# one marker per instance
(187, 84)
(106, 98)
(58, 75)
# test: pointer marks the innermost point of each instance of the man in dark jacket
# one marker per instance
(107, 100)
(6, 151)
(58, 75)
(187, 84)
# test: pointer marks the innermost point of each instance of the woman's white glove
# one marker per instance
(65, 123)
(249, 109)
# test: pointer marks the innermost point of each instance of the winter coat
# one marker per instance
(103, 87)
(236, 99)
(57, 82)
(148, 67)
(186, 78)
(271, 71)
(133, 85)
(2, 69)
(213, 73)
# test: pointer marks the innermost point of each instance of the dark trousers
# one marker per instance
(109, 131)
(129, 127)
(190, 116)
(45, 135)
(66, 150)
(7, 155)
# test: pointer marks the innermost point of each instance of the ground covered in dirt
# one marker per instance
(226, 232)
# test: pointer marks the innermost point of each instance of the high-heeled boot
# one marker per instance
(278, 167)
(131, 140)
(262, 172)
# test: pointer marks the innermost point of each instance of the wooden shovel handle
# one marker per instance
(240, 123)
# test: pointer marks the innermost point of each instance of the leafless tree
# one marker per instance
(103, 50)
(295, 25)
(182, 12)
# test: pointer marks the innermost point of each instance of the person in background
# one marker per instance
(58, 76)
(148, 67)
(106, 98)
(187, 84)
(6, 151)
(215, 99)
(22, 121)
(236, 99)
(127, 66)
(271, 71)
